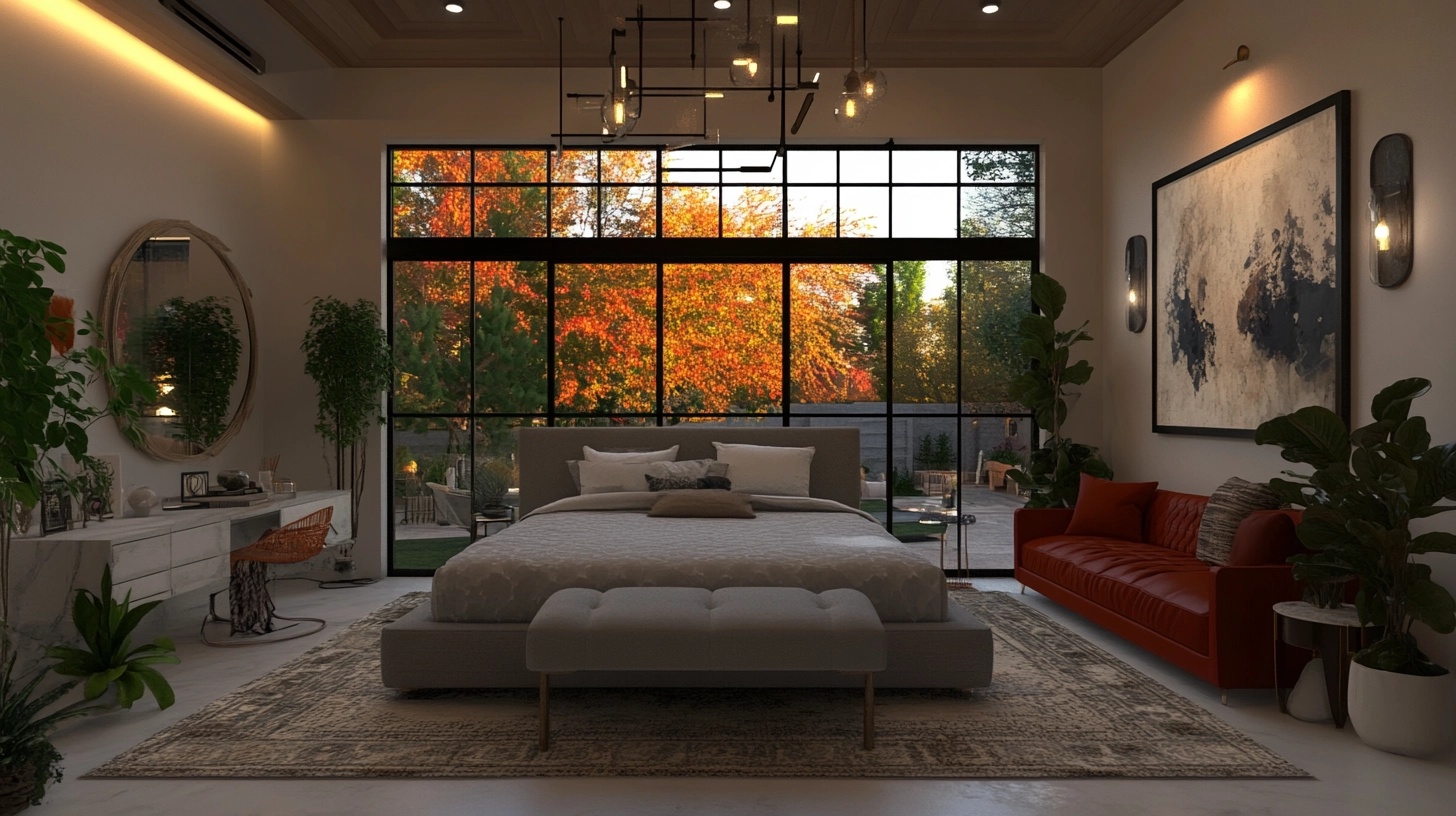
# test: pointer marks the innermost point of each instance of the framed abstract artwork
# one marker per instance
(1250, 298)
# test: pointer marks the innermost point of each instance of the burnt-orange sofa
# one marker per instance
(1214, 621)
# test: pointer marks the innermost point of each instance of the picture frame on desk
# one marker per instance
(194, 484)
(55, 507)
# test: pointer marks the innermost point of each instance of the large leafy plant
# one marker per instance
(1366, 488)
(106, 625)
(1053, 471)
(347, 355)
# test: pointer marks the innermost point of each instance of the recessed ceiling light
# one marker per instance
(722, 5)
(990, 8)
(454, 8)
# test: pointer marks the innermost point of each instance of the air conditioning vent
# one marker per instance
(211, 29)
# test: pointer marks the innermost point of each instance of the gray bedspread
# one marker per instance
(607, 541)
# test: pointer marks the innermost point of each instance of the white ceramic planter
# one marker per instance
(1402, 713)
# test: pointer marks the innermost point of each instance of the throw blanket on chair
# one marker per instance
(248, 602)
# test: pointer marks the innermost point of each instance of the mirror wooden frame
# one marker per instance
(111, 302)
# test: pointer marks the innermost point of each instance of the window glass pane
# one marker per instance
(925, 166)
(999, 165)
(606, 338)
(494, 476)
(510, 165)
(629, 212)
(431, 338)
(813, 166)
(923, 212)
(510, 336)
(574, 212)
(924, 325)
(995, 295)
(864, 212)
(629, 166)
(753, 212)
(424, 452)
(864, 166)
(431, 212)
(689, 166)
(1002, 212)
(837, 336)
(510, 212)
(811, 212)
(431, 166)
(574, 166)
(690, 212)
(722, 338)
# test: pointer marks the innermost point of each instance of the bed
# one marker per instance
(472, 632)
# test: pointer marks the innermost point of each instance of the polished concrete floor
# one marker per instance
(1350, 778)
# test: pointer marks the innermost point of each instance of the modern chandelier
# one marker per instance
(865, 86)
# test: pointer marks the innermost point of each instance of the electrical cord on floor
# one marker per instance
(341, 583)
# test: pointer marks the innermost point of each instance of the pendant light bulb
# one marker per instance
(744, 70)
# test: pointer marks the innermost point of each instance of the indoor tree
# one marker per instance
(346, 352)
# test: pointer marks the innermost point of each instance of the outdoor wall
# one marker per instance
(94, 144)
(324, 188)
(1167, 104)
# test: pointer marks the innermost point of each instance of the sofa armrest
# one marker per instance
(1031, 523)
(1242, 611)
(1265, 537)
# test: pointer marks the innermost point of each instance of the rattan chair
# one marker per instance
(250, 605)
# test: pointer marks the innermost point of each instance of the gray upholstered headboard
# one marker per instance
(543, 453)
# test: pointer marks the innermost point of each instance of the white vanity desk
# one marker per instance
(155, 557)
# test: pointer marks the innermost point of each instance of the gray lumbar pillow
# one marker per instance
(1230, 504)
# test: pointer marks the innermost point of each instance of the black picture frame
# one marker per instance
(194, 483)
(55, 507)
(1250, 295)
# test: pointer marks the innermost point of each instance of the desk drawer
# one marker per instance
(158, 584)
(200, 543)
(210, 572)
(141, 557)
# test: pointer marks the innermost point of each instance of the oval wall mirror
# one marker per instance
(176, 308)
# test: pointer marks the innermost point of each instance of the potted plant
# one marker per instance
(347, 355)
(1000, 462)
(489, 484)
(43, 408)
(1054, 470)
(1367, 487)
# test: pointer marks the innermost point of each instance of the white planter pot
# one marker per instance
(1402, 713)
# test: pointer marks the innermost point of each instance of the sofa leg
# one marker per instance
(1223, 696)
(1023, 589)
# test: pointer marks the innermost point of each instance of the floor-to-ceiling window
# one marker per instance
(873, 287)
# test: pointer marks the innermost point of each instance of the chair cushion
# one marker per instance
(1165, 591)
(1111, 509)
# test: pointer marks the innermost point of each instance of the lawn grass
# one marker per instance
(427, 553)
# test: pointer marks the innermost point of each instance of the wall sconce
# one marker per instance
(1135, 262)
(1392, 245)
(1241, 55)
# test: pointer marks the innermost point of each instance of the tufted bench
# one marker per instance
(687, 629)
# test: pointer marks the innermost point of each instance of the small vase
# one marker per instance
(142, 500)
(1401, 713)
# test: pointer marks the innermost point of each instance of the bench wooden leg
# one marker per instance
(545, 716)
(869, 711)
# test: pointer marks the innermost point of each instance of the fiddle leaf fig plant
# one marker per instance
(1366, 488)
(1053, 471)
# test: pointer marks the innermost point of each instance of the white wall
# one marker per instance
(325, 190)
(93, 146)
(1167, 103)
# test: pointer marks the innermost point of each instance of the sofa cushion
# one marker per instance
(1171, 521)
(1163, 590)
(1230, 504)
(1111, 509)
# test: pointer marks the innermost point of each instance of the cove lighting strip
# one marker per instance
(112, 39)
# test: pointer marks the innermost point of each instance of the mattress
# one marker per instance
(607, 540)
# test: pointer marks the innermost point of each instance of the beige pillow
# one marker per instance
(769, 470)
(612, 477)
(593, 455)
(1230, 504)
(702, 504)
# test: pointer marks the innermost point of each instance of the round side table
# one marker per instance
(1335, 634)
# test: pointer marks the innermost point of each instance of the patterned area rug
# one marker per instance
(1060, 707)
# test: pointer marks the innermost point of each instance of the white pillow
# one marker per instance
(767, 469)
(613, 477)
(593, 455)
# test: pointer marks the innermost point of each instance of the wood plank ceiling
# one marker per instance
(910, 33)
